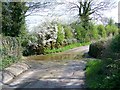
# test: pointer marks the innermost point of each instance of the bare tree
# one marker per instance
(87, 9)
(34, 7)
(92, 8)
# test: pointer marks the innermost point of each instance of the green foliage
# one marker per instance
(80, 33)
(13, 18)
(24, 41)
(111, 30)
(85, 35)
(101, 31)
(108, 30)
(28, 38)
(93, 32)
(33, 49)
(84, 13)
(103, 74)
(115, 44)
(60, 34)
(118, 30)
(7, 61)
(114, 29)
(10, 50)
(49, 51)
(30, 45)
(96, 49)
(93, 77)
(68, 32)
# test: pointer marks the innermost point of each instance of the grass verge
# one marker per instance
(49, 51)
(7, 61)
(103, 73)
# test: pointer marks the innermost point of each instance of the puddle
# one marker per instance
(73, 54)
(66, 56)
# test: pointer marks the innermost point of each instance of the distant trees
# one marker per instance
(80, 33)
(101, 31)
(111, 28)
(90, 9)
(60, 34)
(94, 31)
(68, 32)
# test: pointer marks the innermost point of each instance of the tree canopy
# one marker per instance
(13, 18)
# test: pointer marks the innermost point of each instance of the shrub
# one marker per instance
(108, 30)
(101, 31)
(10, 50)
(68, 32)
(96, 49)
(60, 34)
(7, 61)
(115, 44)
(28, 38)
(95, 33)
(33, 49)
(103, 74)
(80, 33)
(118, 30)
(113, 30)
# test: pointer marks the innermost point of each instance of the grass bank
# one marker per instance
(103, 73)
(7, 61)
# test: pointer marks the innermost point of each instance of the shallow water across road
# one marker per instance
(61, 70)
(75, 53)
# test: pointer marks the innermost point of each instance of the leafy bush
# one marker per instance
(10, 50)
(60, 34)
(68, 32)
(80, 33)
(113, 30)
(96, 49)
(103, 74)
(115, 44)
(25, 40)
(7, 61)
(33, 49)
(108, 30)
(83, 35)
(94, 33)
(118, 30)
(101, 31)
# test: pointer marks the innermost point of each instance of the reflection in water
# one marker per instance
(63, 56)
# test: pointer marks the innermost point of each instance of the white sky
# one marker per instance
(35, 20)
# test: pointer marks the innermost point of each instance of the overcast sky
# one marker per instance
(59, 13)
